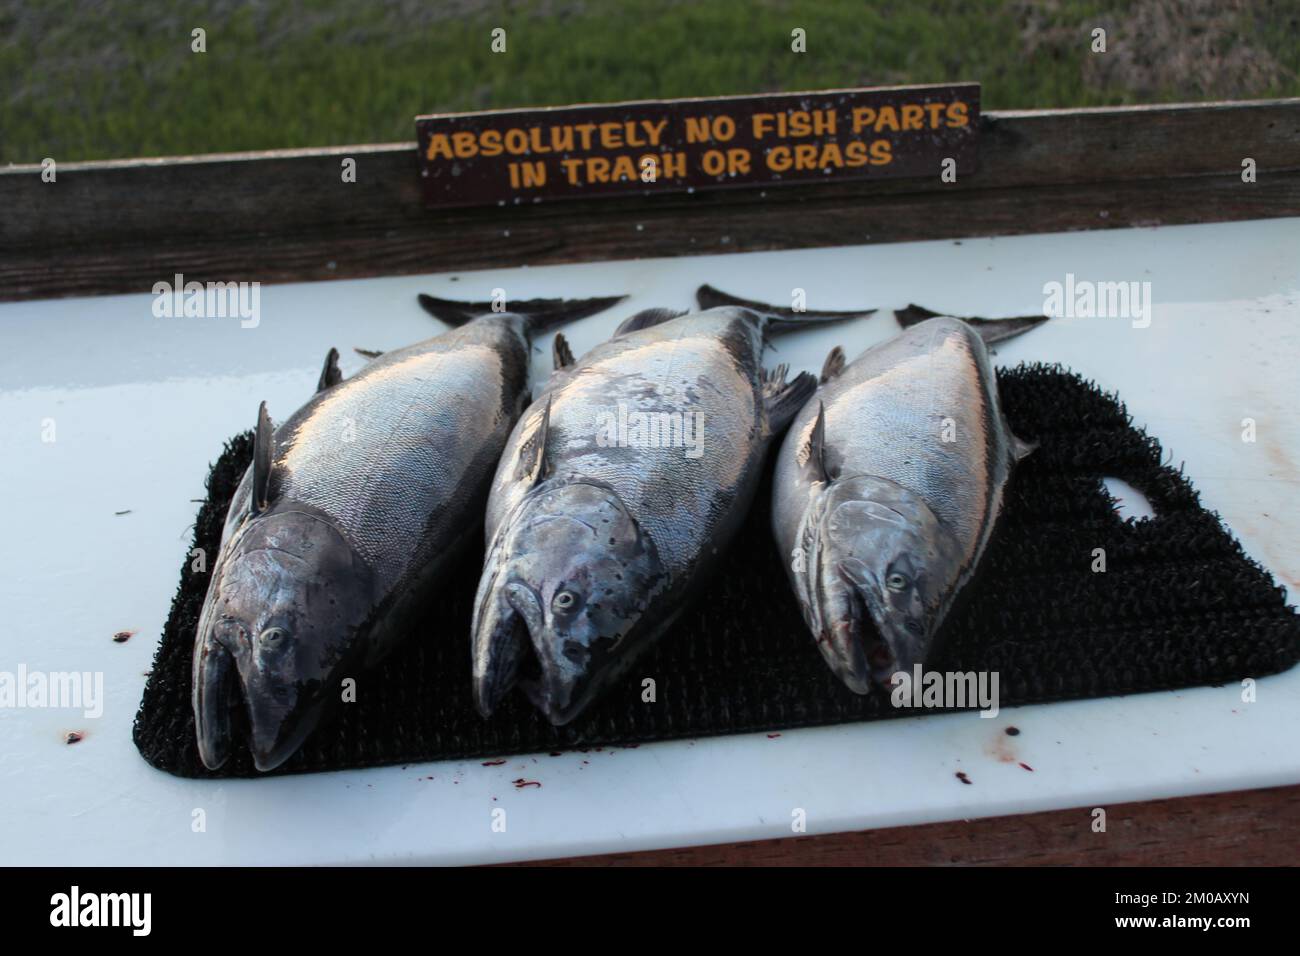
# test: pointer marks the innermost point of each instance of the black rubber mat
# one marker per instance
(1179, 604)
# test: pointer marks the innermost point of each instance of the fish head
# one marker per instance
(563, 602)
(884, 571)
(281, 624)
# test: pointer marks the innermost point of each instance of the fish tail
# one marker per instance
(775, 319)
(540, 315)
(990, 330)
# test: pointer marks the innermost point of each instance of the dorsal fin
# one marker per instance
(647, 318)
(561, 353)
(540, 315)
(812, 456)
(330, 374)
(532, 457)
(263, 440)
(833, 365)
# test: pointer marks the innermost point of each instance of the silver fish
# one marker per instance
(619, 488)
(887, 489)
(349, 514)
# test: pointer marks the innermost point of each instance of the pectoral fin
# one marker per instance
(833, 365)
(561, 354)
(263, 442)
(783, 399)
(330, 374)
(532, 457)
(812, 456)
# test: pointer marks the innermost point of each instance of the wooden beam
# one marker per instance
(1242, 828)
(120, 226)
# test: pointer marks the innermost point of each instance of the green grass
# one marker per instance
(94, 81)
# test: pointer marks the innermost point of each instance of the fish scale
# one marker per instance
(885, 416)
(348, 518)
(597, 541)
(394, 488)
(661, 484)
(881, 514)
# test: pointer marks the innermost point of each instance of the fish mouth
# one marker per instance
(858, 641)
(887, 647)
(502, 656)
(844, 645)
(216, 699)
(516, 654)
(860, 654)
(557, 696)
(273, 730)
(275, 735)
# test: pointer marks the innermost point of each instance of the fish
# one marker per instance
(348, 516)
(619, 489)
(888, 487)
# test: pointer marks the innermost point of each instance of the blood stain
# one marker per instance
(1013, 731)
(961, 775)
(521, 783)
(121, 637)
(1027, 767)
(493, 763)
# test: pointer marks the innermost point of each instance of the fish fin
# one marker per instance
(783, 399)
(833, 365)
(330, 374)
(532, 457)
(453, 313)
(645, 319)
(999, 330)
(1020, 449)
(262, 442)
(990, 330)
(540, 315)
(776, 319)
(914, 315)
(561, 354)
(368, 353)
(812, 456)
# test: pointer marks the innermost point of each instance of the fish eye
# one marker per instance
(272, 636)
(564, 600)
(897, 581)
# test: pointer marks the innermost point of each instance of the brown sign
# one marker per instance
(622, 149)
